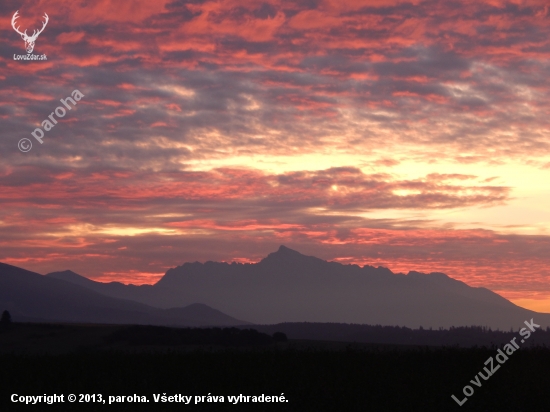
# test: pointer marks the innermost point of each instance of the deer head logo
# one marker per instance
(29, 40)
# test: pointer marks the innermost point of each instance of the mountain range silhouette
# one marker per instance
(288, 286)
(31, 297)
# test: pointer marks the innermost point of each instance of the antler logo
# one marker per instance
(29, 40)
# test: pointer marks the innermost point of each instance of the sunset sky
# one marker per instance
(407, 134)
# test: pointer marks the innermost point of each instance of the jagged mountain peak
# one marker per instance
(287, 255)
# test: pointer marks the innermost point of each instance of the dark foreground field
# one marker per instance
(313, 376)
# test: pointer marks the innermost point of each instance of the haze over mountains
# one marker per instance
(287, 286)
